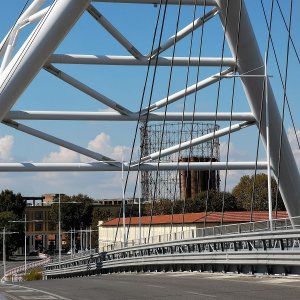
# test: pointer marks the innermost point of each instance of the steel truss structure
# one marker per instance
(166, 186)
(19, 68)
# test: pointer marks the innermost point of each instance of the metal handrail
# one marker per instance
(237, 228)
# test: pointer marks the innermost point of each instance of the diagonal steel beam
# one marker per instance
(113, 31)
(194, 142)
(60, 142)
(87, 90)
(249, 58)
(186, 92)
(184, 32)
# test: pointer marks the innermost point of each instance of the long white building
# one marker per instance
(166, 227)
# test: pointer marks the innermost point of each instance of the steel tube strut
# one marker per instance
(249, 58)
(196, 141)
(113, 31)
(185, 92)
(114, 116)
(66, 167)
(143, 61)
(170, 2)
(184, 32)
(86, 89)
(45, 38)
(52, 139)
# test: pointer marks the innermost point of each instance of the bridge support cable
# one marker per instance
(231, 111)
(226, 17)
(287, 61)
(113, 31)
(288, 31)
(87, 90)
(184, 32)
(166, 107)
(139, 115)
(249, 58)
(60, 142)
(187, 91)
(184, 106)
(194, 142)
(280, 74)
(263, 97)
(194, 110)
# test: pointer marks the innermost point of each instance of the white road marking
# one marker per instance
(45, 297)
(199, 294)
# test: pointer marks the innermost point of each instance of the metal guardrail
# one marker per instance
(238, 228)
(267, 252)
(15, 274)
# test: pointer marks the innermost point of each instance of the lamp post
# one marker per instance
(4, 233)
(25, 244)
(59, 222)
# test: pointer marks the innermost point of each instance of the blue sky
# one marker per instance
(124, 85)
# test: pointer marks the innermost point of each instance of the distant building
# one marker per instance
(112, 230)
(41, 235)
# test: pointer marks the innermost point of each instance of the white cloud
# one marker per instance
(102, 144)
(6, 144)
(63, 155)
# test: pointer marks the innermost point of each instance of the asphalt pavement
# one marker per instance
(161, 286)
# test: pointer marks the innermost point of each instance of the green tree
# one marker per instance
(9, 201)
(12, 208)
(13, 242)
(99, 214)
(213, 200)
(244, 193)
(73, 215)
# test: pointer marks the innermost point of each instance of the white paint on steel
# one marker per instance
(120, 60)
(249, 58)
(45, 38)
(98, 166)
(114, 116)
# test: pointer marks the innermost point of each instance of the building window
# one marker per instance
(38, 215)
(38, 226)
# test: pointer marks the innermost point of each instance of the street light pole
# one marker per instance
(59, 232)
(4, 252)
(4, 233)
(25, 246)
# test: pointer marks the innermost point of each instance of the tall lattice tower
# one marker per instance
(174, 184)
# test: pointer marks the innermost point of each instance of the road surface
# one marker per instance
(159, 286)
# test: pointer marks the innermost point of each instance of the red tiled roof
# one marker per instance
(215, 217)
